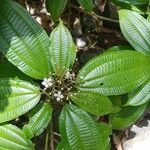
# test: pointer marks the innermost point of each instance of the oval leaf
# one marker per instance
(8, 70)
(62, 49)
(39, 119)
(127, 116)
(56, 8)
(16, 98)
(12, 138)
(136, 30)
(133, 2)
(81, 131)
(106, 131)
(63, 145)
(140, 95)
(114, 73)
(94, 103)
(87, 4)
(23, 41)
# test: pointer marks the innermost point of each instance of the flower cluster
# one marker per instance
(59, 96)
(59, 88)
(69, 75)
(47, 82)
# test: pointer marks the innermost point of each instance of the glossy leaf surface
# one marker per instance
(140, 95)
(8, 70)
(127, 116)
(136, 30)
(114, 73)
(16, 98)
(134, 2)
(39, 119)
(86, 4)
(24, 43)
(62, 49)
(13, 138)
(106, 131)
(56, 8)
(94, 103)
(80, 129)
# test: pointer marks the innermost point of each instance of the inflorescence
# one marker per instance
(58, 88)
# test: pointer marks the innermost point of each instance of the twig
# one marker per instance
(46, 141)
(52, 147)
(56, 134)
(94, 15)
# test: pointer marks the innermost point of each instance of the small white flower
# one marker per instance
(69, 75)
(47, 82)
(59, 96)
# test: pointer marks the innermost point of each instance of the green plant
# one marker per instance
(140, 6)
(133, 2)
(44, 86)
(56, 7)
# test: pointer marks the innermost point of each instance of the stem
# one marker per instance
(56, 134)
(43, 92)
(46, 141)
(93, 15)
(52, 147)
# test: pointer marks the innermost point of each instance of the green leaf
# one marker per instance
(63, 145)
(13, 138)
(139, 96)
(136, 30)
(39, 119)
(148, 17)
(24, 43)
(127, 116)
(133, 2)
(105, 130)
(56, 8)
(16, 98)
(8, 70)
(80, 129)
(94, 103)
(114, 73)
(86, 4)
(62, 49)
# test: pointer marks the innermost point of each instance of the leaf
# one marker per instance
(16, 98)
(136, 30)
(8, 70)
(118, 48)
(63, 145)
(94, 103)
(105, 130)
(56, 8)
(127, 116)
(86, 4)
(39, 118)
(139, 96)
(114, 73)
(24, 43)
(148, 17)
(134, 2)
(80, 129)
(62, 49)
(12, 138)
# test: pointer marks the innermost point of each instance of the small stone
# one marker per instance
(80, 43)
(141, 141)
